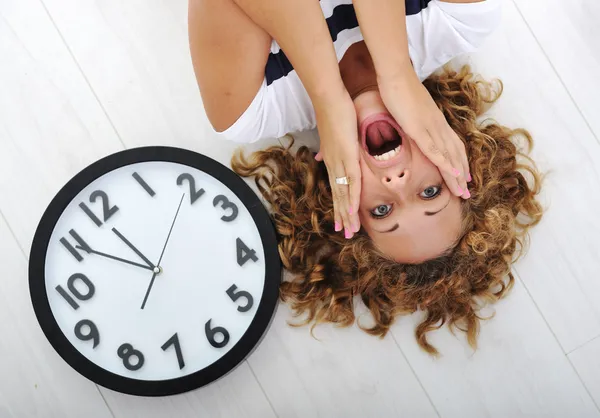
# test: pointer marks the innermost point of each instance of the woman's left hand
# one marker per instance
(412, 106)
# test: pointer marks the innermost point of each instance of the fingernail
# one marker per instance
(348, 234)
(455, 172)
(467, 194)
(355, 228)
(350, 210)
(469, 177)
(460, 191)
(338, 227)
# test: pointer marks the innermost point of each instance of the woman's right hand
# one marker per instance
(409, 102)
(338, 131)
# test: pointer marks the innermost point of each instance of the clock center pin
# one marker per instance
(157, 269)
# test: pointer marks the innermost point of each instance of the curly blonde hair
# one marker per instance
(328, 270)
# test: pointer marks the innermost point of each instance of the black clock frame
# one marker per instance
(216, 370)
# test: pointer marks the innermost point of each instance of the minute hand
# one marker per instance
(90, 251)
(135, 250)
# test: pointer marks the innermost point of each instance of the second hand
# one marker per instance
(161, 255)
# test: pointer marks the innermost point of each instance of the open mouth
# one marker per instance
(381, 137)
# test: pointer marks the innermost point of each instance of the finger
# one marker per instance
(434, 151)
(462, 154)
(340, 202)
(338, 225)
(459, 181)
(319, 157)
(441, 157)
(337, 210)
(458, 158)
(448, 139)
(343, 203)
(337, 216)
(339, 197)
(354, 178)
(462, 151)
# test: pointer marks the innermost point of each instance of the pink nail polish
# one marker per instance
(469, 177)
(338, 227)
(350, 210)
(348, 234)
(455, 172)
(467, 194)
(460, 191)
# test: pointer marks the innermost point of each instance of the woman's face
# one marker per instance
(405, 207)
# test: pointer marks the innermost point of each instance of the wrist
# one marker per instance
(397, 71)
(331, 99)
(328, 94)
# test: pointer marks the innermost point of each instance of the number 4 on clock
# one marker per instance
(244, 253)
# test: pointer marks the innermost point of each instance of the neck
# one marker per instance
(357, 70)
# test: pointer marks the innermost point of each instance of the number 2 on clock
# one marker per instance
(107, 210)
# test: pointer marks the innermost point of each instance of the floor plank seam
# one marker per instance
(87, 81)
(416, 377)
(13, 235)
(105, 401)
(539, 311)
(558, 342)
(557, 74)
(583, 345)
(584, 385)
(262, 389)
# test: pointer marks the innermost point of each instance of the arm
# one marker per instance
(301, 31)
(383, 24)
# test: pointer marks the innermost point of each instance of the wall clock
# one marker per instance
(154, 271)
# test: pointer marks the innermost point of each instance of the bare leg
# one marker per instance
(229, 54)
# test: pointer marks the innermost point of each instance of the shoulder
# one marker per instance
(444, 30)
(472, 20)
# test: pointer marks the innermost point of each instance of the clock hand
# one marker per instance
(130, 245)
(90, 251)
(161, 254)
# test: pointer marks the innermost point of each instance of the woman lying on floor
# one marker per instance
(410, 202)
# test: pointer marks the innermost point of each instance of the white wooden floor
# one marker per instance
(80, 79)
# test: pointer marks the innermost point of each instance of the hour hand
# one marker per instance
(88, 250)
(135, 250)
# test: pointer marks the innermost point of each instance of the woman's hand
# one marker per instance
(337, 126)
(412, 106)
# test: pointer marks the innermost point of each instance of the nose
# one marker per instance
(395, 179)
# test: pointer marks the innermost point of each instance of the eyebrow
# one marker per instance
(393, 228)
(435, 213)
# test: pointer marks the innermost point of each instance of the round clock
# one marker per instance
(154, 271)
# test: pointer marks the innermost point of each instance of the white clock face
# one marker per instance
(154, 270)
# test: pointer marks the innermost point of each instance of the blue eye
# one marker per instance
(381, 211)
(431, 192)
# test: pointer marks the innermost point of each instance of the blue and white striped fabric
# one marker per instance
(437, 32)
